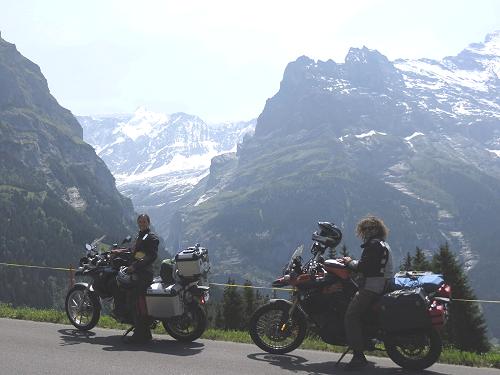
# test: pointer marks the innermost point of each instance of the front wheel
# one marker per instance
(415, 351)
(273, 332)
(187, 327)
(82, 307)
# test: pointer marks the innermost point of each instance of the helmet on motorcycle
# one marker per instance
(328, 235)
(124, 279)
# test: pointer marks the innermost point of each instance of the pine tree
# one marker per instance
(466, 328)
(249, 299)
(232, 307)
(420, 262)
(407, 264)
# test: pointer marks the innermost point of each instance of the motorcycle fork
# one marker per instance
(84, 298)
(286, 317)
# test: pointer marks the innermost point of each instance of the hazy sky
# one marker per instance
(216, 59)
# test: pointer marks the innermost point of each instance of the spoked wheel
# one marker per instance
(415, 351)
(188, 327)
(273, 333)
(82, 308)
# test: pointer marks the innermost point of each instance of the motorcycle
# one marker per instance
(321, 292)
(175, 298)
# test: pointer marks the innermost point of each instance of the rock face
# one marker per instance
(414, 141)
(157, 158)
(55, 193)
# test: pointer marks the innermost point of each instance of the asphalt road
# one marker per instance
(56, 349)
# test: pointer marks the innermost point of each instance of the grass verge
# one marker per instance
(449, 355)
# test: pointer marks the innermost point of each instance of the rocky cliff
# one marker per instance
(55, 192)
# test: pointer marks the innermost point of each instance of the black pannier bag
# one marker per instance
(404, 310)
(167, 271)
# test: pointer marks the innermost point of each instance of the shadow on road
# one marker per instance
(299, 364)
(115, 343)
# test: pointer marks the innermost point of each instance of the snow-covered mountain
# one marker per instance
(462, 88)
(413, 141)
(157, 158)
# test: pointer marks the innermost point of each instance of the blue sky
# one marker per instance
(218, 59)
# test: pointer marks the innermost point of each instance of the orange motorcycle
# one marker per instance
(407, 321)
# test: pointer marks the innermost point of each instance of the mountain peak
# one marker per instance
(299, 66)
(364, 56)
(494, 36)
(369, 68)
(492, 44)
(490, 47)
(142, 109)
(479, 56)
(304, 60)
(177, 116)
(24, 87)
(142, 123)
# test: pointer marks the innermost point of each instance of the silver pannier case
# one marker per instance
(192, 262)
(164, 301)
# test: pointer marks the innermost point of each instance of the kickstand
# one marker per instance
(128, 331)
(342, 356)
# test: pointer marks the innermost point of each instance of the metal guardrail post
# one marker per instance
(71, 276)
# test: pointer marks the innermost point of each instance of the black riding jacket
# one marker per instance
(373, 258)
(375, 264)
(145, 251)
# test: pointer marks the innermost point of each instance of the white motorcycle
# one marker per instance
(175, 298)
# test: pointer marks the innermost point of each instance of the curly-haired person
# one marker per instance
(376, 268)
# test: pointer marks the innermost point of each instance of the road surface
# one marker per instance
(46, 348)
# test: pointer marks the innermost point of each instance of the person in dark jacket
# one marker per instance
(376, 269)
(141, 270)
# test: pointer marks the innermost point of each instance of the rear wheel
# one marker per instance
(271, 331)
(82, 307)
(187, 327)
(415, 351)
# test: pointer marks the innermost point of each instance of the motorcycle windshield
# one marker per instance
(296, 254)
(97, 240)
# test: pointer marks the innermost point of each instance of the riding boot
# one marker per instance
(142, 331)
(358, 361)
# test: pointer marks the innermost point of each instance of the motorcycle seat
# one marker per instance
(333, 263)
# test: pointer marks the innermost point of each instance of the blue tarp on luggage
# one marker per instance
(412, 279)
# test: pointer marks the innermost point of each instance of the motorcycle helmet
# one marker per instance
(328, 235)
(123, 279)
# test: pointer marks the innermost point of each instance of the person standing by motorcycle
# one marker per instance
(141, 271)
(376, 269)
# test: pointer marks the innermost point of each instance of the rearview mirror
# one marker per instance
(127, 239)
(88, 247)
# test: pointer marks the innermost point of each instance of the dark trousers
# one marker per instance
(352, 321)
(136, 302)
